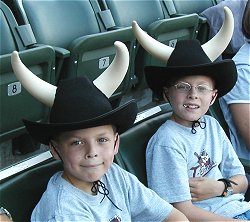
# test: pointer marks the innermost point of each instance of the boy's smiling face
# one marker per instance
(191, 105)
(87, 154)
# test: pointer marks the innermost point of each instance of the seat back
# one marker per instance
(192, 6)
(6, 33)
(16, 102)
(90, 48)
(144, 12)
(54, 29)
(21, 193)
(131, 155)
(92, 54)
(170, 31)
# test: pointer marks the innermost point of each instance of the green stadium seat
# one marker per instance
(74, 29)
(16, 102)
(21, 193)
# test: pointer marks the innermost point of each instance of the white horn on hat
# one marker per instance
(45, 92)
(41, 90)
(215, 46)
(154, 47)
(112, 77)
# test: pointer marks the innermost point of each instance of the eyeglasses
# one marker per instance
(185, 87)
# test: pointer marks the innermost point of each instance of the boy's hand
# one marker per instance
(202, 188)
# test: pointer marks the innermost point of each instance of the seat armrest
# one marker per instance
(61, 52)
(177, 15)
(61, 55)
(202, 19)
(115, 28)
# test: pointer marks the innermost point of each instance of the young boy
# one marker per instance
(83, 133)
(190, 161)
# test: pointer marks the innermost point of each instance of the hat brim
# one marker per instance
(122, 117)
(224, 74)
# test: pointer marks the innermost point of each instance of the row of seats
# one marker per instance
(63, 39)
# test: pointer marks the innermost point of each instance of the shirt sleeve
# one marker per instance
(230, 164)
(145, 204)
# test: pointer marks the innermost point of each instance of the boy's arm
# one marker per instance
(4, 218)
(242, 182)
(202, 188)
(194, 213)
(176, 215)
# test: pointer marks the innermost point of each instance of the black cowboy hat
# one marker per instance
(187, 59)
(79, 104)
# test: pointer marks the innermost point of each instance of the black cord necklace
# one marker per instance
(197, 123)
(96, 189)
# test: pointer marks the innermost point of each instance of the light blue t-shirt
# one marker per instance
(239, 94)
(174, 155)
(64, 202)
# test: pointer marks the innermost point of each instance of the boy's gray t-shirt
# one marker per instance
(174, 155)
(63, 202)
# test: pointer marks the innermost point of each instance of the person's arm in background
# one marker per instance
(241, 118)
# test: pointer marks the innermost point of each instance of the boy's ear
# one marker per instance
(214, 96)
(54, 151)
(165, 94)
(117, 143)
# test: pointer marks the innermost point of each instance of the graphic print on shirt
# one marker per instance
(116, 218)
(204, 164)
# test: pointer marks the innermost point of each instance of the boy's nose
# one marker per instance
(91, 153)
(193, 94)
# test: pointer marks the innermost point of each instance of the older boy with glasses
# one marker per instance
(190, 161)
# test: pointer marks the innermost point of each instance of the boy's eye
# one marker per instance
(183, 86)
(203, 88)
(102, 140)
(77, 142)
